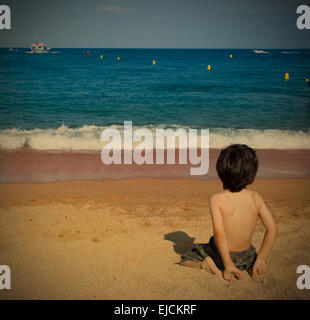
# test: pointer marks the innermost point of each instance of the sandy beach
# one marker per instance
(122, 239)
(114, 115)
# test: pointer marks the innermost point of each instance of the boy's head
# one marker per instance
(236, 167)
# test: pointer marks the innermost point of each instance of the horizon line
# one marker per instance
(163, 48)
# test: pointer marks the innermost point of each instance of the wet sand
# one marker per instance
(27, 165)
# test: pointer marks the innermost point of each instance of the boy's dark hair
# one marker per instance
(237, 167)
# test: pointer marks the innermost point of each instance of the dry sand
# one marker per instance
(121, 239)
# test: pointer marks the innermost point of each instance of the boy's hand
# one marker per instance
(259, 268)
(231, 273)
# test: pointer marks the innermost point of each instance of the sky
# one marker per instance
(257, 24)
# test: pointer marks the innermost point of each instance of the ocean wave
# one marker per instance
(88, 138)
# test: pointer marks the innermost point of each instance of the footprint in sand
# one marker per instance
(71, 235)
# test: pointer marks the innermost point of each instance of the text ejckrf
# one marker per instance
(162, 310)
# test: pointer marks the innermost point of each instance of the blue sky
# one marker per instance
(156, 24)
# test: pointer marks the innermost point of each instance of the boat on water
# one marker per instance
(39, 47)
(260, 51)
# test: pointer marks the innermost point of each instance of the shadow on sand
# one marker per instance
(182, 242)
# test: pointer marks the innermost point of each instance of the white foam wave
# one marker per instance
(261, 139)
(89, 138)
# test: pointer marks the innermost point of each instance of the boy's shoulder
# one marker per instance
(217, 197)
(222, 196)
(256, 195)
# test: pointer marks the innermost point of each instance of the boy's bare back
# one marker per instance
(239, 211)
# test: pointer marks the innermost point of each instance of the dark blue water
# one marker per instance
(64, 99)
(71, 88)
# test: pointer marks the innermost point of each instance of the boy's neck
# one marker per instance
(237, 192)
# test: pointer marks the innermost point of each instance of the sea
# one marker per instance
(62, 101)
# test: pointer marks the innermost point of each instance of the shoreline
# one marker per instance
(37, 166)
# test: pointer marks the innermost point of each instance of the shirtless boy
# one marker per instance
(234, 215)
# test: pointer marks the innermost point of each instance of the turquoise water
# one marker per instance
(69, 93)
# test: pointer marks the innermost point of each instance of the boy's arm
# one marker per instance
(269, 238)
(271, 230)
(221, 241)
